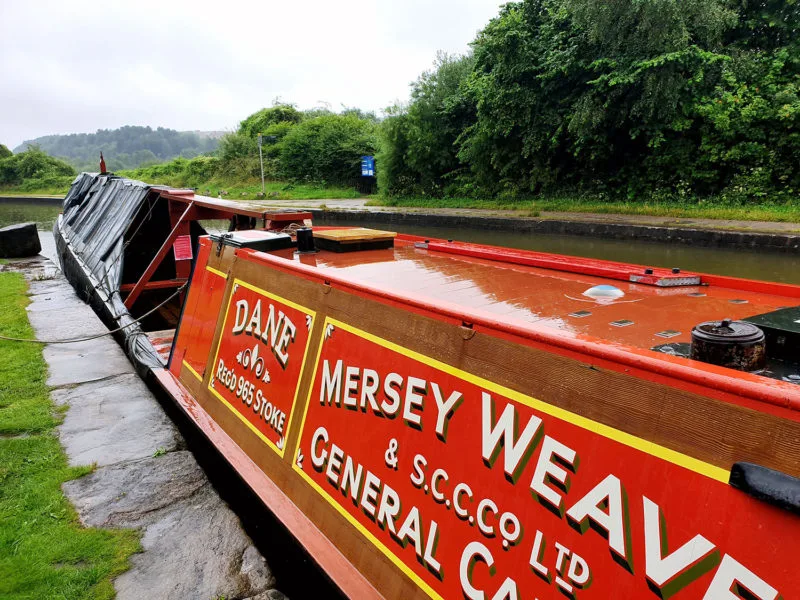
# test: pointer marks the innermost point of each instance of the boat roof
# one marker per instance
(643, 316)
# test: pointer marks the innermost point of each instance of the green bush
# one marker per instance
(32, 164)
(260, 121)
(4, 152)
(201, 169)
(238, 155)
(327, 149)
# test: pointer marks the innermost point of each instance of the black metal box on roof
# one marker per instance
(255, 239)
(782, 330)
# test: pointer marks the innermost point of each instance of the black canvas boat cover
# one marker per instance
(97, 212)
(90, 237)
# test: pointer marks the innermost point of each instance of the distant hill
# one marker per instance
(128, 147)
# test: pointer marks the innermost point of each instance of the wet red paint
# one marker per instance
(199, 320)
(534, 304)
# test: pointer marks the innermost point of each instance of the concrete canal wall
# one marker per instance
(145, 478)
(57, 200)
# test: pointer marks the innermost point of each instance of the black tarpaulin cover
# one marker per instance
(90, 237)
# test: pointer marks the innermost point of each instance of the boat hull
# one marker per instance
(445, 455)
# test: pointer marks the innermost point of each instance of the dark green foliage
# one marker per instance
(4, 151)
(238, 154)
(33, 164)
(262, 120)
(418, 153)
(625, 98)
(352, 111)
(180, 171)
(327, 149)
(124, 148)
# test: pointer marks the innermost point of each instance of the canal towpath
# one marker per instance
(360, 205)
(193, 545)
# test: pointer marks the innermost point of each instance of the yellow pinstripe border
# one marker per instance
(241, 417)
(192, 371)
(216, 272)
(682, 460)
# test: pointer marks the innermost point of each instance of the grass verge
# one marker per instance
(44, 550)
(702, 209)
(237, 189)
(49, 192)
(276, 190)
(42, 186)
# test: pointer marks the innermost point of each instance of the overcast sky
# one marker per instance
(78, 66)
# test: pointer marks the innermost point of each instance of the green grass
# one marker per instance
(246, 189)
(46, 186)
(237, 190)
(702, 209)
(44, 551)
(53, 192)
(276, 190)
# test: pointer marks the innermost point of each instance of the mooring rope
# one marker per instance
(99, 335)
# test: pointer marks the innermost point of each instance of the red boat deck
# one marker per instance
(162, 342)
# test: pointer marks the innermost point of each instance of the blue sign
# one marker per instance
(368, 166)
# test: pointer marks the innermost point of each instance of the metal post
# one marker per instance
(261, 160)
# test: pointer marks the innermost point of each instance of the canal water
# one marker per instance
(767, 266)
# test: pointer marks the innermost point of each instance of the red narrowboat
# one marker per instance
(437, 419)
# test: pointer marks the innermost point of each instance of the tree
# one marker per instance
(238, 155)
(33, 163)
(426, 161)
(260, 121)
(4, 152)
(628, 98)
(122, 145)
(327, 149)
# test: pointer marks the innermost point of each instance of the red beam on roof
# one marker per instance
(226, 208)
(154, 285)
(570, 264)
(158, 258)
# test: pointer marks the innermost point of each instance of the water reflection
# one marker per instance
(42, 213)
(767, 266)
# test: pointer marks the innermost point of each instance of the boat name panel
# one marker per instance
(259, 361)
(475, 490)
